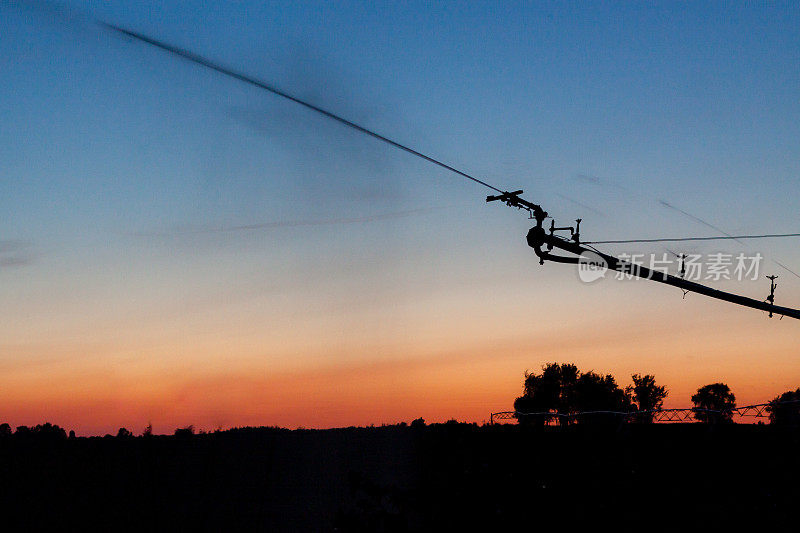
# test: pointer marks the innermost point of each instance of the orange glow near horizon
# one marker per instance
(437, 379)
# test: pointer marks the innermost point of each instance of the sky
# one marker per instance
(179, 248)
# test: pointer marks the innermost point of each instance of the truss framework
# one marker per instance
(761, 410)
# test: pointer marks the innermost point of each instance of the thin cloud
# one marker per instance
(298, 223)
(600, 182)
(582, 205)
(15, 253)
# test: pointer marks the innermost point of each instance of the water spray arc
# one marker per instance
(538, 238)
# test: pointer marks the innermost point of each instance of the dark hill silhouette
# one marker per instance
(584, 473)
(418, 477)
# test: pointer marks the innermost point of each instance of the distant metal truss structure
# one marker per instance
(760, 410)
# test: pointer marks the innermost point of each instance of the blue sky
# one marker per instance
(118, 162)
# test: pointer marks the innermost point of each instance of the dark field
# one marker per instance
(448, 477)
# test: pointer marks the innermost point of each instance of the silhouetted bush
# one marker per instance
(185, 432)
(5, 431)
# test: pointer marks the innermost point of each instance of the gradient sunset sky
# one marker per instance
(179, 248)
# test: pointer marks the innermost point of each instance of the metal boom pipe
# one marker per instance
(538, 237)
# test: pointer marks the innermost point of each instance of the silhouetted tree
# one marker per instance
(124, 434)
(148, 431)
(41, 432)
(646, 395)
(560, 388)
(49, 431)
(785, 414)
(5, 431)
(595, 392)
(418, 423)
(530, 402)
(552, 391)
(715, 397)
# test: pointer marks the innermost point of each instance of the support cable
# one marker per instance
(680, 239)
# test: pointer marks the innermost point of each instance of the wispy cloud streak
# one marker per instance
(298, 223)
(15, 253)
(581, 204)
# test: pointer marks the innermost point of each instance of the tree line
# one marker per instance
(560, 393)
(52, 432)
(564, 395)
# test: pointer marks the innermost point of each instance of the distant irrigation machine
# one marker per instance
(687, 414)
(542, 240)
